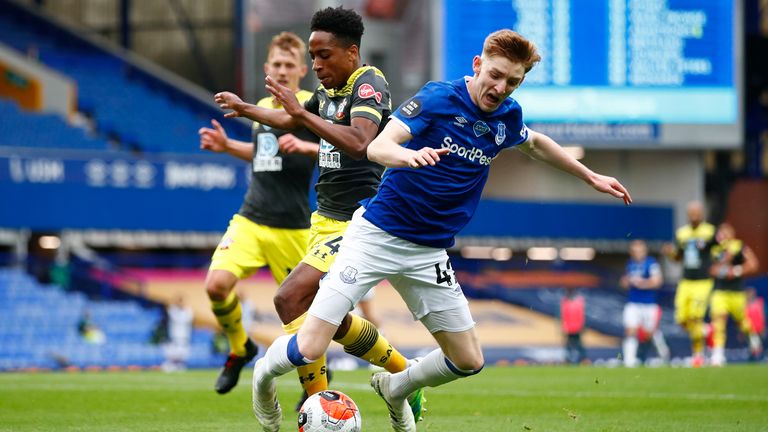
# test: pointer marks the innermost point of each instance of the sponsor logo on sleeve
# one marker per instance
(366, 91)
(411, 108)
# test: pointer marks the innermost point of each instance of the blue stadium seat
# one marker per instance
(122, 105)
(39, 329)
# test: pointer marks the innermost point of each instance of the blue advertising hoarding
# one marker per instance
(104, 190)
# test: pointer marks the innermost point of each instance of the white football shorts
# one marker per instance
(641, 315)
(421, 275)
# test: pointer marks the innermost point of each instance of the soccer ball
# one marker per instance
(329, 410)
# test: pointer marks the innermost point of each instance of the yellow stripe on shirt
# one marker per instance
(367, 109)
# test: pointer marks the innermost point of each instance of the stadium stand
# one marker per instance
(127, 103)
(39, 330)
(23, 129)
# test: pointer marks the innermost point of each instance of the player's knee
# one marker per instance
(311, 349)
(292, 300)
(217, 289)
(281, 301)
(469, 364)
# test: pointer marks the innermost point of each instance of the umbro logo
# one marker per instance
(460, 121)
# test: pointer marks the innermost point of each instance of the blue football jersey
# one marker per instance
(642, 269)
(429, 205)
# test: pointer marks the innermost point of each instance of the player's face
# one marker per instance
(695, 213)
(286, 66)
(332, 61)
(725, 233)
(638, 250)
(496, 77)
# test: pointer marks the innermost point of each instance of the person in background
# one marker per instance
(732, 261)
(180, 318)
(756, 315)
(89, 331)
(572, 322)
(643, 279)
(693, 248)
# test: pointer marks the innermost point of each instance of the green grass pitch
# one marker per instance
(734, 398)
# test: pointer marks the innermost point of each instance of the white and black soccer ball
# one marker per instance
(329, 410)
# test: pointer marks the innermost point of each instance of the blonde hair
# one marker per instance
(513, 46)
(288, 41)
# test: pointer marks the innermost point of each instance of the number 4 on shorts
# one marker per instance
(443, 275)
(333, 245)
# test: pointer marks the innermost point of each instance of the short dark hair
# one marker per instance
(344, 24)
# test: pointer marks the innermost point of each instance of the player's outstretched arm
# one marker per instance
(352, 140)
(216, 140)
(545, 149)
(271, 117)
(387, 149)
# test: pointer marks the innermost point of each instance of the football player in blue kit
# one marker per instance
(438, 146)
(643, 279)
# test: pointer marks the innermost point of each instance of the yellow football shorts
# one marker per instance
(691, 299)
(726, 302)
(325, 236)
(248, 246)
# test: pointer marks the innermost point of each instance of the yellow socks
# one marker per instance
(229, 316)
(313, 376)
(718, 331)
(363, 340)
(696, 333)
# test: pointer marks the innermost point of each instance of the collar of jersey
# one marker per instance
(347, 89)
(269, 101)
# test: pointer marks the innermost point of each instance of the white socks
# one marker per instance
(661, 345)
(431, 371)
(630, 351)
(276, 361)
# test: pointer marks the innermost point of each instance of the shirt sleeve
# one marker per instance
(370, 97)
(416, 113)
(519, 131)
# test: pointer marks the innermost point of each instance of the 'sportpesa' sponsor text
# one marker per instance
(472, 154)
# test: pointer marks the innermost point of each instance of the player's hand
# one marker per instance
(611, 186)
(229, 100)
(426, 156)
(284, 96)
(668, 250)
(289, 143)
(215, 139)
(624, 282)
